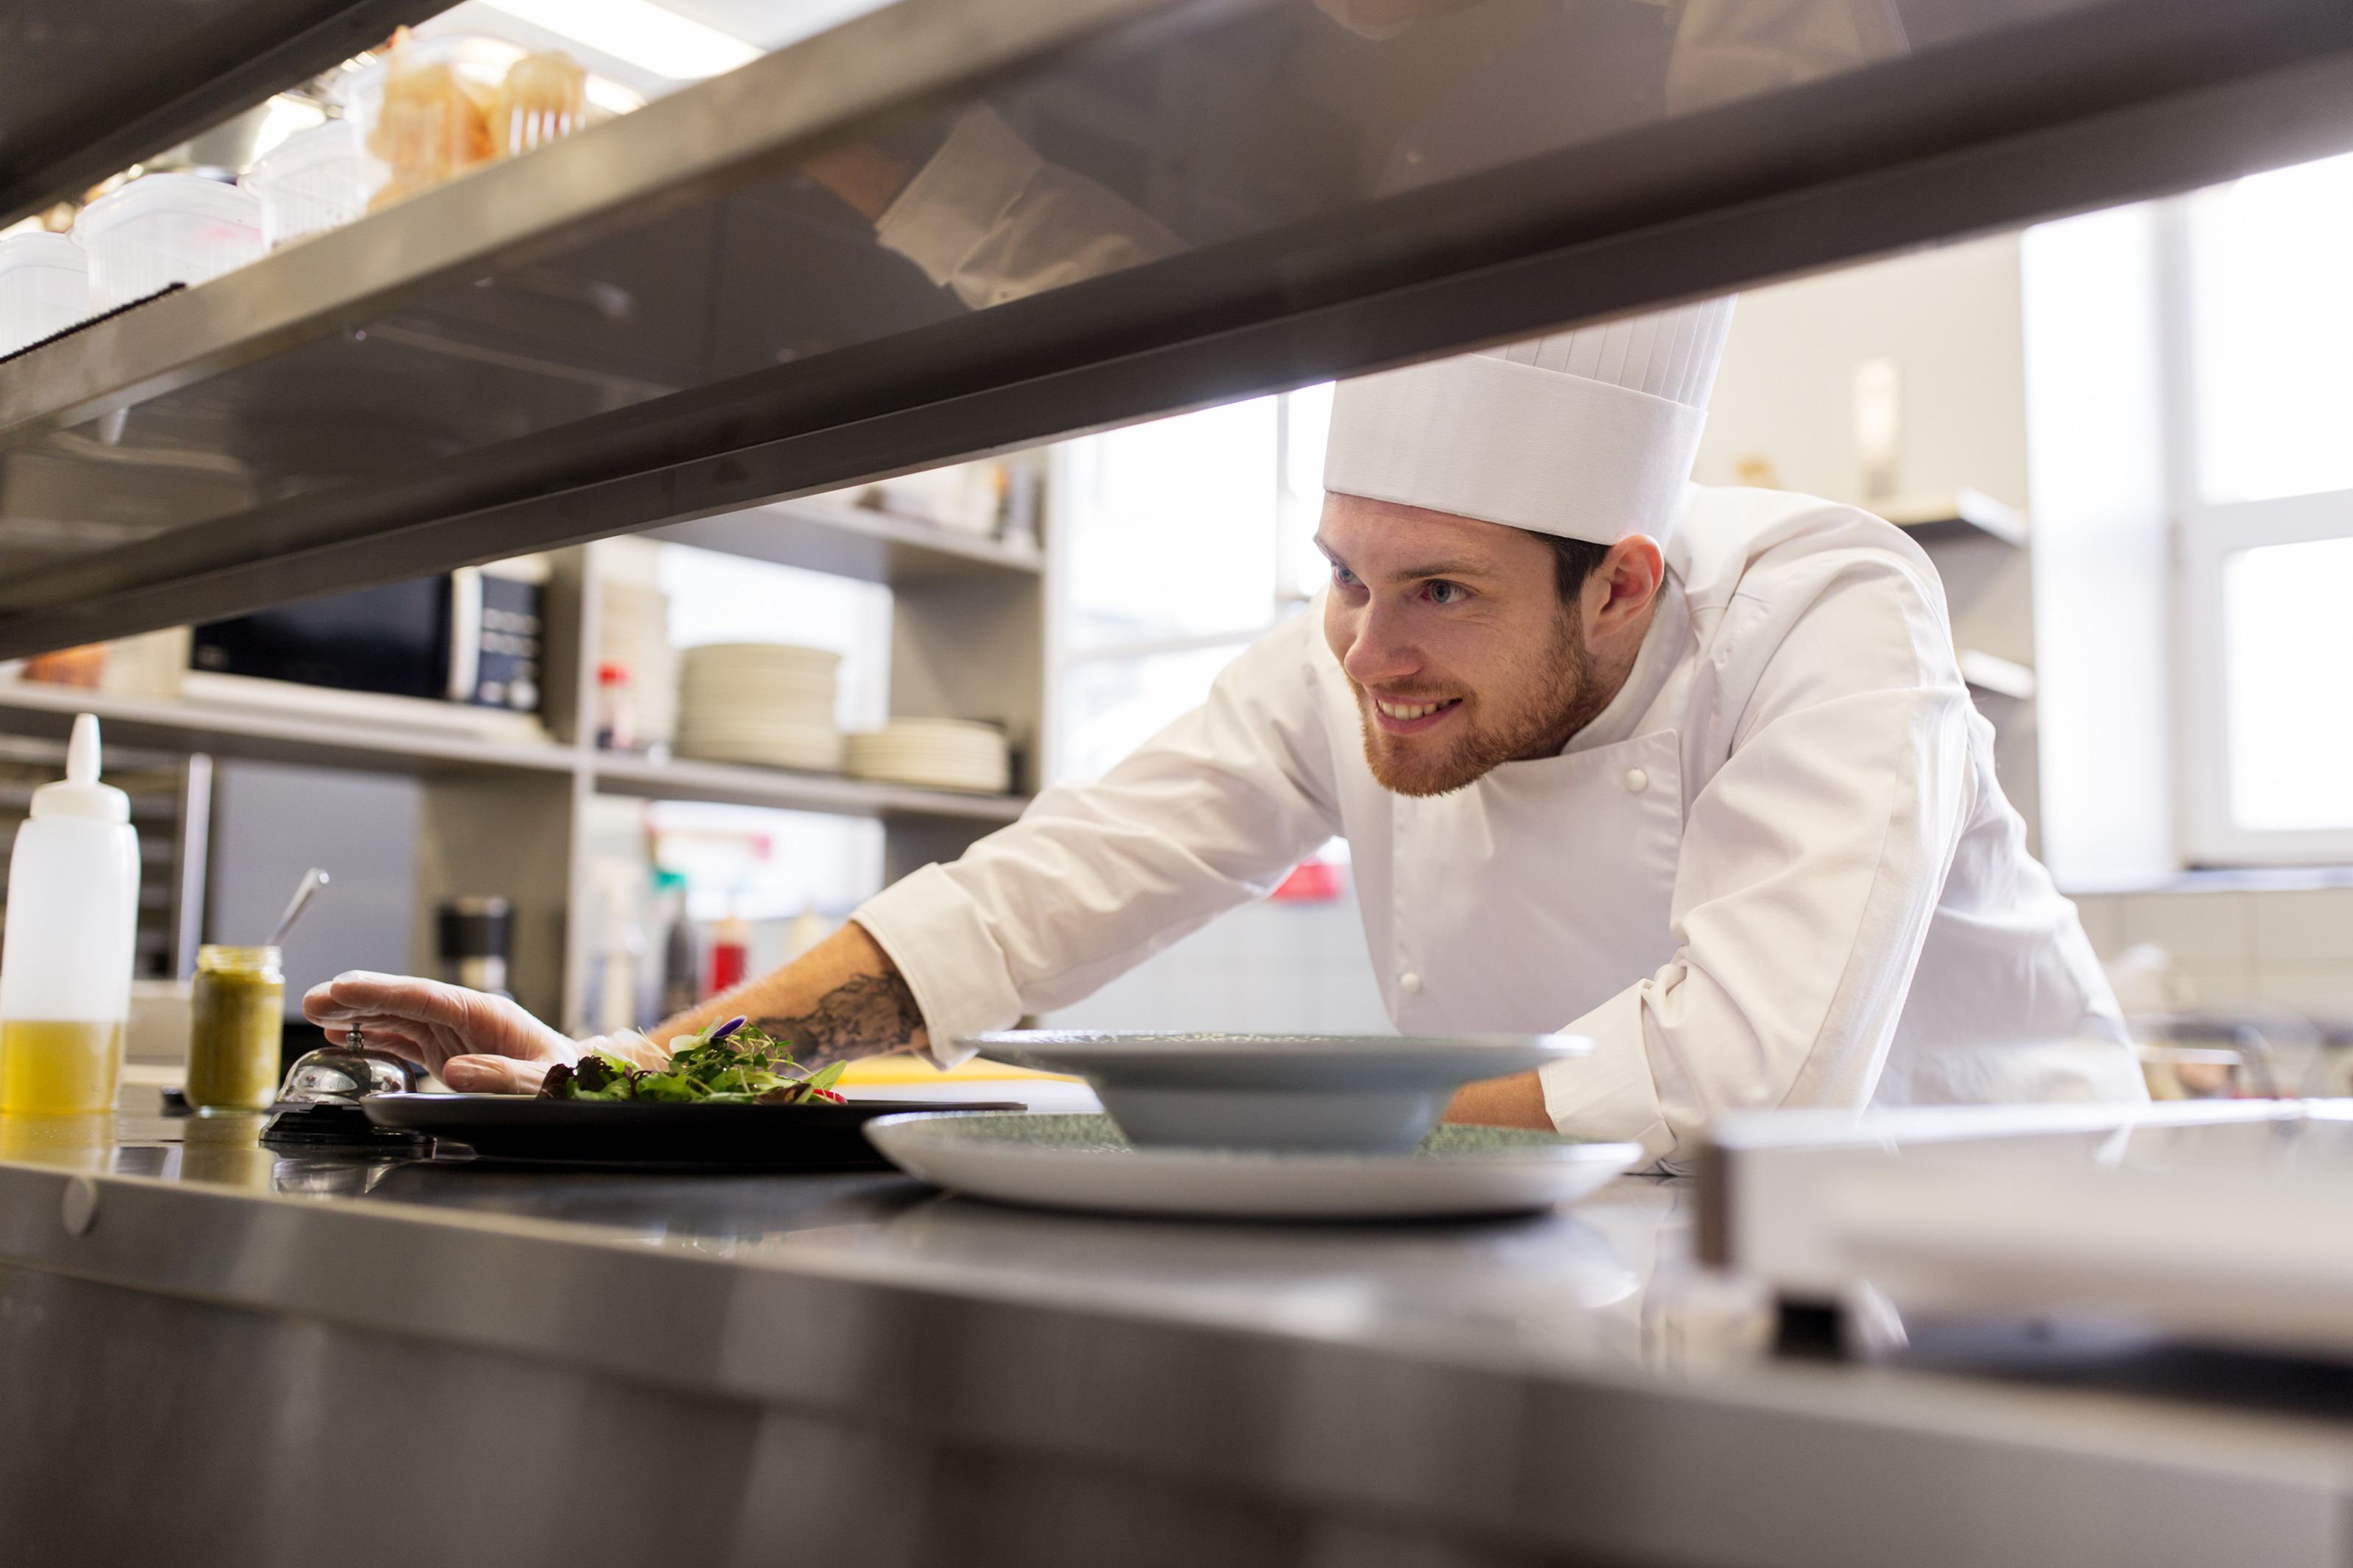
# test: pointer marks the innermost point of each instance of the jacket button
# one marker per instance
(1636, 780)
(1409, 983)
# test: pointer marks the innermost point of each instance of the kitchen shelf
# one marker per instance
(30, 708)
(683, 778)
(33, 709)
(853, 541)
(663, 318)
(90, 87)
(2000, 677)
(1964, 513)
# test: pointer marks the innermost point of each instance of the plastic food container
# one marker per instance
(311, 182)
(163, 229)
(428, 110)
(44, 288)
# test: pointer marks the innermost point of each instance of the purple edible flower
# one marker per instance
(727, 1028)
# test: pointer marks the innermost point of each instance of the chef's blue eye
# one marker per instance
(1342, 575)
(1445, 593)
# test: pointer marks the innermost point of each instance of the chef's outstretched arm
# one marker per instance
(842, 999)
(1811, 865)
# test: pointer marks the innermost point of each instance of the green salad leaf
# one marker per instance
(727, 1064)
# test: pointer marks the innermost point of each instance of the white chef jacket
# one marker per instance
(1776, 870)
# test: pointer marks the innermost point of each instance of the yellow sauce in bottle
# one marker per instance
(53, 1069)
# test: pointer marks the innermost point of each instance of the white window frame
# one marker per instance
(1064, 483)
(2205, 533)
(2208, 534)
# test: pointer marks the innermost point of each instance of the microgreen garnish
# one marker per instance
(730, 1064)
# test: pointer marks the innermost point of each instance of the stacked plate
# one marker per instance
(759, 702)
(943, 753)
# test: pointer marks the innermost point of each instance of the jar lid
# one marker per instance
(219, 956)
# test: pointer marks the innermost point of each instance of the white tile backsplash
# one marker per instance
(1266, 967)
(2323, 994)
(2290, 949)
(2304, 930)
(2103, 921)
(2214, 928)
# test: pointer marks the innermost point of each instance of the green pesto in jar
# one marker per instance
(235, 1027)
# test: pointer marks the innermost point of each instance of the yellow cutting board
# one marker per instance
(903, 1067)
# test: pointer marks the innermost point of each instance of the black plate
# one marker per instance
(637, 1133)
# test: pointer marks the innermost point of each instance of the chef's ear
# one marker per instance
(1620, 589)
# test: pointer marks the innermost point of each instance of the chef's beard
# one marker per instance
(1558, 696)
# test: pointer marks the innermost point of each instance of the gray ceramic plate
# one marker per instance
(1335, 1093)
(1084, 1163)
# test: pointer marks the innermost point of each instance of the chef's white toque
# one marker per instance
(1587, 433)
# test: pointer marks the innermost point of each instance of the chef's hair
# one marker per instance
(1573, 561)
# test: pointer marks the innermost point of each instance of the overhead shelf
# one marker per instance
(681, 778)
(667, 317)
(89, 87)
(29, 708)
(33, 708)
(1962, 513)
(853, 541)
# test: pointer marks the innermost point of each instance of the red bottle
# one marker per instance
(731, 952)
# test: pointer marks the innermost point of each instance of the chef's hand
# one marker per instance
(475, 1042)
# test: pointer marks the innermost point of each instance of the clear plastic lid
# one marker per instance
(187, 195)
(324, 143)
(41, 250)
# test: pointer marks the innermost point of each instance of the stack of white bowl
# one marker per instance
(944, 754)
(759, 702)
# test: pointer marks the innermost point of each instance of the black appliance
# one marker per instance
(469, 635)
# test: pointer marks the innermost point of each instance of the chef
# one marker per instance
(1690, 772)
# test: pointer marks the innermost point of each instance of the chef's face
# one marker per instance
(1461, 650)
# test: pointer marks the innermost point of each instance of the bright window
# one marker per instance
(2261, 366)
(2287, 653)
(1184, 540)
(2271, 332)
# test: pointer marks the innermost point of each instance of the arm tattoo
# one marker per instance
(859, 1017)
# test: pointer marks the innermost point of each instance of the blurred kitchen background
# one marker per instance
(642, 770)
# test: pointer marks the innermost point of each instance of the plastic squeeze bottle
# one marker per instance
(71, 934)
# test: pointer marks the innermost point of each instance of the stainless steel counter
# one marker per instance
(204, 1342)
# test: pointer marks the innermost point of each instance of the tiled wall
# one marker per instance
(1271, 967)
(2238, 947)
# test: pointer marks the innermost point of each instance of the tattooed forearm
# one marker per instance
(859, 1017)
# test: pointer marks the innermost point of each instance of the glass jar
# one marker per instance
(235, 1028)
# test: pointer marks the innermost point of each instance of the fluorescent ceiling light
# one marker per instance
(637, 31)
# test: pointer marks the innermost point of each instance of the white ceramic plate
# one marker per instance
(1082, 1162)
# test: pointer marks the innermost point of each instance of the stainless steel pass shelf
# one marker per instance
(856, 1370)
(90, 87)
(671, 316)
